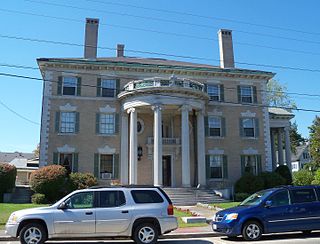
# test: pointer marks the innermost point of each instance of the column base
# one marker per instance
(186, 186)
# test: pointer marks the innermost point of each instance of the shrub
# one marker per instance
(81, 181)
(239, 197)
(249, 183)
(284, 171)
(302, 177)
(316, 180)
(8, 174)
(50, 181)
(272, 179)
(38, 198)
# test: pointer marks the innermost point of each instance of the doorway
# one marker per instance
(166, 171)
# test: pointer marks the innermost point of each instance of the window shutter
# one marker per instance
(99, 87)
(243, 164)
(79, 86)
(221, 93)
(97, 123)
(75, 162)
(59, 89)
(255, 99)
(57, 122)
(256, 132)
(239, 94)
(223, 126)
(55, 158)
(77, 125)
(208, 169)
(116, 123)
(206, 126)
(205, 87)
(241, 130)
(117, 86)
(96, 165)
(259, 166)
(225, 167)
(116, 166)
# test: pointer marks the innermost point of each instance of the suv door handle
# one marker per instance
(125, 211)
(89, 213)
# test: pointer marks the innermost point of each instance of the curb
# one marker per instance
(8, 238)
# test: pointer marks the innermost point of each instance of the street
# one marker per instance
(295, 238)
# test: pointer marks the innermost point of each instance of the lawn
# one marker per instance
(225, 205)
(182, 224)
(7, 208)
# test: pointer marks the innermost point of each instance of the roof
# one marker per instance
(7, 157)
(23, 163)
(280, 112)
(299, 151)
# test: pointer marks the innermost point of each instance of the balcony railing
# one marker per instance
(165, 141)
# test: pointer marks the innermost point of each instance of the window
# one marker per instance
(280, 199)
(107, 124)
(66, 160)
(248, 127)
(246, 94)
(251, 164)
(303, 195)
(68, 122)
(146, 196)
(216, 165)
(69, 85)
(108, 88)
(214, 92)
(106, 166)
(110, 199)
(215, 126)
(80, 200)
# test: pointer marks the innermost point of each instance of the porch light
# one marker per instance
(139, 152)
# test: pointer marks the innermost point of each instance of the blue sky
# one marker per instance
(25, 96)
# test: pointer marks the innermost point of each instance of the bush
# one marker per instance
(272, 179)
(50, 181)
(39, 198)
(249, 183)
(81, 181)
(316, 180)
(302, 177)
(284, 171)
(8, 174)
(239, 197)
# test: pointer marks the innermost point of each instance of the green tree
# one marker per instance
(277, 95)
(296, 138)
(315, 142)
(36, 151)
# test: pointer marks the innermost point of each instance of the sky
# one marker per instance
(278, 33)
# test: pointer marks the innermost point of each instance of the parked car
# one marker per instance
(141, 213)
(281, 209)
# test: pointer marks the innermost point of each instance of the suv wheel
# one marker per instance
(145, 234)
(33, 234)
(252, 231)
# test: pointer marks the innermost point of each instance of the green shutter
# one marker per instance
(99, 87)
(116, 123)
(97, 123)
(96, 165)
(79, 86)
(223, 126)
(239, 94)
(256, 132)
(117, 86)
(205, 87)
(208, 169)
(225, 167)
(255, 99)
(57, 122)
(75, 162)
(206, 126)
(77, 125)
(221, 93)
(241, 130)
(243, 164)
(59, 88)
(259, 166)
(55, 158)
(116, 166)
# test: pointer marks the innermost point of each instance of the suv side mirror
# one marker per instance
(62, 206)
(268, 204)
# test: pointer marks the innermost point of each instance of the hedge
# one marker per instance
(8, 174)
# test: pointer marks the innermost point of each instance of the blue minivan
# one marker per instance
(280, 209)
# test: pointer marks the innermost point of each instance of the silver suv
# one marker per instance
(141, 213)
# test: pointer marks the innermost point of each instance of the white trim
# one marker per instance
(106, 150)
(250, 151)
(107, 109)
(248, 114)
(216, 151)
(66, 149)
(68, 108)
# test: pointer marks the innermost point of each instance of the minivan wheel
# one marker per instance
(252, 231)
(145, 234)
(33, 233)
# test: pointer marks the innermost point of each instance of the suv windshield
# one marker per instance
(256, 198)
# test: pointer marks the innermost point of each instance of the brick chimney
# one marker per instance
(226, 48)
(91, 38)
(120, 50)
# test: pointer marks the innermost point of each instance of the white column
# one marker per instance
(280, 147)
(157, 154)
(287, 146)
(185, 146)
(124, 150)
(133, 168)
(201, 149)
(273, 150)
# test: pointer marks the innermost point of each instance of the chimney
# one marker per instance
(91, 38)
(226, 48)
(120, 50)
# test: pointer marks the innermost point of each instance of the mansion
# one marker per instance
(155, 121)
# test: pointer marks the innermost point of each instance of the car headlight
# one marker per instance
(232, 216)
(13, 219)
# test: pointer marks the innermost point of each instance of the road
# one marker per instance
(313, 238)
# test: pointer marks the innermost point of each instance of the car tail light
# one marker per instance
(170, 209)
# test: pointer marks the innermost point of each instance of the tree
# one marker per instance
(315, 142)
(296, 138)
(36, 151)
(277, 95)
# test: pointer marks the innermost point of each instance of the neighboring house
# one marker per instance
(157, 121)
(300, 157)
(24, 162)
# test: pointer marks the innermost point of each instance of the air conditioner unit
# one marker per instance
(106, 176)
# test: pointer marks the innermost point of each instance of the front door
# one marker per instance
(166, 170)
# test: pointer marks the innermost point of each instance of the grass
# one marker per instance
(225, 205)
(7, 208)
(182, 224)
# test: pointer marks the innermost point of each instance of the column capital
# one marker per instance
(156, 107)
(131, 110)
(287, 129)
(200, 112)
(185, 107)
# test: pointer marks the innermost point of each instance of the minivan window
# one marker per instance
(302, 195)
(256, 198)
(80, 200)
(280, 199)
(110, 199)
(146, 196)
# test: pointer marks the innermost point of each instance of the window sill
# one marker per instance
(107, 135)
(250, 138)
(217, 179)
(215, 137)
(67, 134)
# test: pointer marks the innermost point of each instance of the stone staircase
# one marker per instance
(22, 194)
(191, 196)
